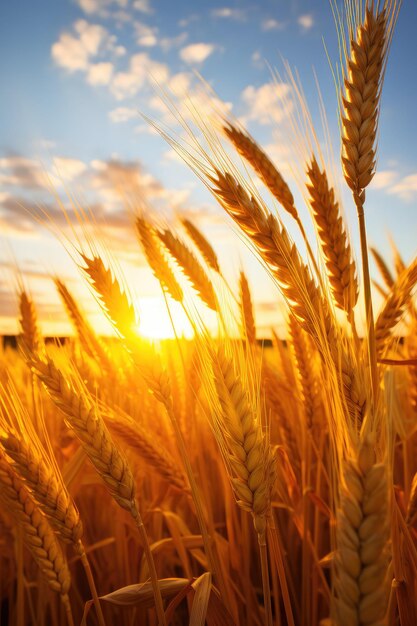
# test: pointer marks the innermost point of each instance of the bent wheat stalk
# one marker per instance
(102, 452)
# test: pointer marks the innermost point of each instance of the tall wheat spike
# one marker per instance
(308, 304)
(361, 100)
(341, 268)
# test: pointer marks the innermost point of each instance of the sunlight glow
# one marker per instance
(155, 322)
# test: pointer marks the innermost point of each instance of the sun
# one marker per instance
(155, 322)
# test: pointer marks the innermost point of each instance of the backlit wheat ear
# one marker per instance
(263, 166)
(47, 488)
(241, 437)
(92, 432)
(158, 457)
(304, 358)
(246, 310)
(361, 100)
(341, 268)
(113, 299)
(205, 248)
(88, 338)
(191, 267)
(29, 323)
(383, 268)
(38, 534)
(362, 534)
(307, 302)
(156, 259)
(394, 306)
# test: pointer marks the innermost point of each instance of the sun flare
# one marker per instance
(155, 321)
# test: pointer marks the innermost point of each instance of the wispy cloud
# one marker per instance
(147, 36)
(141, 69)
(272, 24)
(229, 13)
(122, 114)
(100, 73)
(267, 103)
(197, 52)
(144, 6)
(74, 51)
(405, 188)
(384, 178)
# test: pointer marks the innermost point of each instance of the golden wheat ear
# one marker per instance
(203, 245)
(31, 334)
(361, 99)
(38, 534)
(191, 267)
(362, 539)
(246, 310)
(263, 166)
(157, 260)
(340, 266)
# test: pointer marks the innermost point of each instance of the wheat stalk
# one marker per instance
(100, 448)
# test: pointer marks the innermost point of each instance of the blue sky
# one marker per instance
(76, 76)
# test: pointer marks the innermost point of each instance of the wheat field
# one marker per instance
(223, 479)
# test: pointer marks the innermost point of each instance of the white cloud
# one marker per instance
(306, 21)
(69, 168)
(196, 52)
(100, 73)
(73, 52)
(167, 43)
(228, 13)
(122, 114)
(383, 179)
(141, 69)
(100, 7)
(271, 24)
(146, 35)
(406, 188)
(267, 103)
(144, 6)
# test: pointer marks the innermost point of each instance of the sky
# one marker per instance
(76, 77)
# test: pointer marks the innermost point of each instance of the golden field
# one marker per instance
(221, 479)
